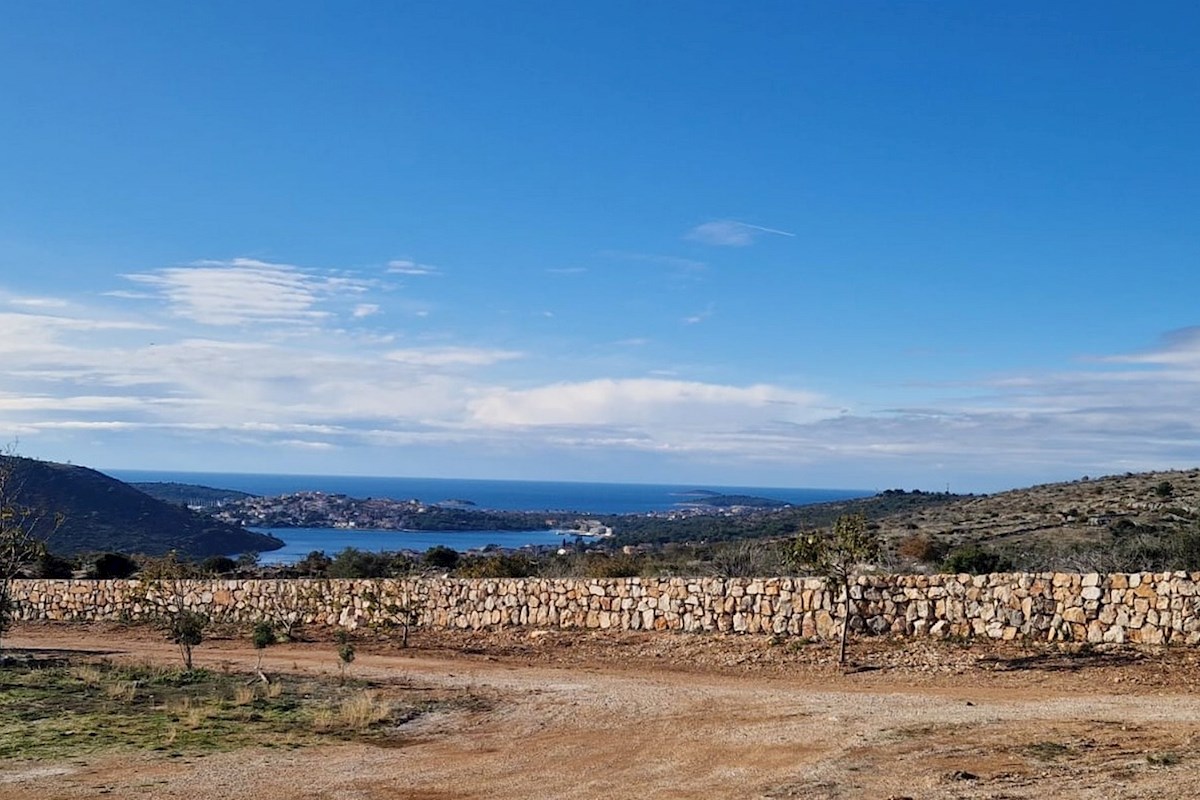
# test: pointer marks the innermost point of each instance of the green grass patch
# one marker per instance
(56, 710)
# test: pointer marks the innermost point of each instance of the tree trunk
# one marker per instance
(845, 622)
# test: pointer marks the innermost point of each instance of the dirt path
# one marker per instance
(575, 721)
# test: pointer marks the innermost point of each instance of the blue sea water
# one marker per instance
(299, 542)
(587, 498)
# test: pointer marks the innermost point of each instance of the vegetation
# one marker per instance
(168, 576)
(835, 555)
(59, 710)
(345, 652)
(20, 544)
(114, 566)
(188, 494)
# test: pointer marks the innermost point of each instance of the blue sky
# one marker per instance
(864, 245)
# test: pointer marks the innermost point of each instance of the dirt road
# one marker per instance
(625, 716)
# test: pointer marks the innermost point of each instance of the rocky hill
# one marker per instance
(1131, 522)
(101, 514)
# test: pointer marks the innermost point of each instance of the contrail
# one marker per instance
(765, 230)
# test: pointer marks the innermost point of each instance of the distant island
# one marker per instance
(716, 500)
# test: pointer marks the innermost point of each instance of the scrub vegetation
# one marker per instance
(53, 709)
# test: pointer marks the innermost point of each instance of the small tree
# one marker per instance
(186, 629)
(183, 626)
(263, 636)
(345, 652)
(834, 556)
(19, 544)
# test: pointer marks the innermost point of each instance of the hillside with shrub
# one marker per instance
(81, 510)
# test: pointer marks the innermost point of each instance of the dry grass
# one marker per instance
(355, 713)
(244, 695)
(124, 691)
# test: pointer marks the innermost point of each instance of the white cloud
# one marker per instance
(407, 267)
(1179, 348)
(38, 302)
(730, 233)
(174, 365)
(246, 291)
(667, 404)
(452, 356)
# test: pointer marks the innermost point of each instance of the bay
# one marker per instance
(299, 542)
(496, 495)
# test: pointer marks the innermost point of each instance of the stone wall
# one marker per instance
(1147, 607)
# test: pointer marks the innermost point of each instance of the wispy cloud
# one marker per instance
(174, 366)
(730, 233)
(641, 402)
(246, 291)
(38, 302)
(404, 266)
(566, 270)
(452, 356)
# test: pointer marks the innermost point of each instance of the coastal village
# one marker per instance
(322, 510)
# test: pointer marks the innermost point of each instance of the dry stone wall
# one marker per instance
(1153, 608)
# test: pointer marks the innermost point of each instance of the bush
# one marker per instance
(52, 567)
(751, 559)
(501, 566)
(263, 634)
(114, 566)
(921, 547)
(354, 563)
(598, 565)
(976, 561)
(217, 565)
(441, 557)
(314, 564)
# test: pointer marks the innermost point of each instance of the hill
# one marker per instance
(190, 494)
(1130, 522)
(1090, 523)
(101, 514)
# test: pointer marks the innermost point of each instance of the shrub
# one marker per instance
(441, 557)
(501, 566)
(217, 565)
(314, 564)
(598, 565)
(50, 566)
(114, 566)
(921, 547)
(354, 563)
(186, 629)
(976, 561)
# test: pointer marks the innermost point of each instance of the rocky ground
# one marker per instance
(585, 715)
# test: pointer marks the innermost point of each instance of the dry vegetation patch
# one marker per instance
(56, 707)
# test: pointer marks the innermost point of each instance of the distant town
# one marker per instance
(321, 510)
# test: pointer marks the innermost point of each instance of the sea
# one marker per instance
(495, 495)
